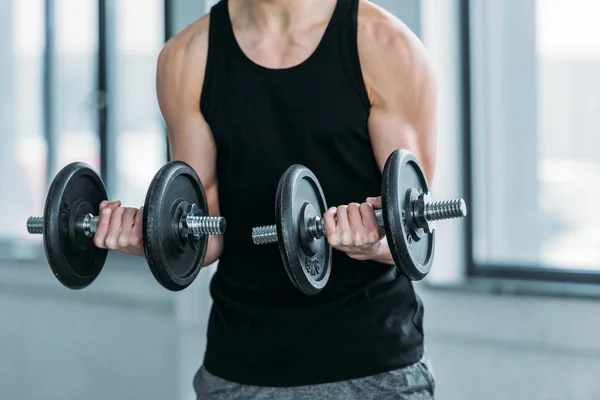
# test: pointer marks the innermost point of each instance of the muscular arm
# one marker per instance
(401, 87)
(180, 75)
(402, 91)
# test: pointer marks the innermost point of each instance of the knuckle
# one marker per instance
(347, 239)
(99, 242)
(135, 240)
(111, 243)
(333, 240)
(359, 238)
(123, 241)
(373, 236)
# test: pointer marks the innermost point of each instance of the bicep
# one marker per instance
(190, 137)
(191, 141)
(401, 87)
(391, 128)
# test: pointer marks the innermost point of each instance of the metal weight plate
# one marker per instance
(74, 259)
(413, 254)
(173, 261)
(307, 268)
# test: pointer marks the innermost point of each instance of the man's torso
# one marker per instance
(262, 331)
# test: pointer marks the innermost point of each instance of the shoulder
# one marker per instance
(184, 55)
(389, 50)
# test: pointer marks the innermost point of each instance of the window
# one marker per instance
(534, 138)
(140, 136)
(77, 83)
(74, 94)
(23, 153)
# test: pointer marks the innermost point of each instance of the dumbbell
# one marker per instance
(407, 216)
(176, 225)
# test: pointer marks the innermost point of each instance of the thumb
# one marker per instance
(110, 204)
(375, 202)
(114, 204)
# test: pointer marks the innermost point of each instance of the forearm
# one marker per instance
(214, 249)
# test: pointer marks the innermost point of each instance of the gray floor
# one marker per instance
(122, 338)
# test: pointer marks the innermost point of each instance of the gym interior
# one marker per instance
(512, 300)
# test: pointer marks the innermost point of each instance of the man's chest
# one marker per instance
(287, 112)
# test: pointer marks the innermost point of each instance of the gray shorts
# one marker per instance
(415, 382)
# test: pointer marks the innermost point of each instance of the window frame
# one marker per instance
(475, 269)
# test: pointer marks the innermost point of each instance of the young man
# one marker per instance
(336, 85)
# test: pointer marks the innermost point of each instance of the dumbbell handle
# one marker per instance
(430, 212)
(89, 225)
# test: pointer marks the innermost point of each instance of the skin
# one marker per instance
(278, 34)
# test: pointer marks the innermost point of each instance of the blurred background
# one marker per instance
(512, 302)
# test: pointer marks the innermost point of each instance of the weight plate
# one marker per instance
(412, 254)
(74, 259)
(173, 262)
(308, 269)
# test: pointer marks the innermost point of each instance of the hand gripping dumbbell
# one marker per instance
(407, 216)
(176, 225)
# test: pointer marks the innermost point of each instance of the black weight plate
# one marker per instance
(297, 186)
(401, 173)
(174, 266)
(74, 259)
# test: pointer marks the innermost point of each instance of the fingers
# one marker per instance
(114, 229)
(136, 236)
(331, 225)
(341, 223)
(369, 220)
(358, 233)
(110, 204)
(117, 226)
(103, 225)
(106, 209)
(127, 221)
(375, 202)
(356, 226)
(343, 231)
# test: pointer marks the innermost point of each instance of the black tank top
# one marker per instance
(262, 331)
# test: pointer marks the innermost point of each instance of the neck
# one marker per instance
(280, 15)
